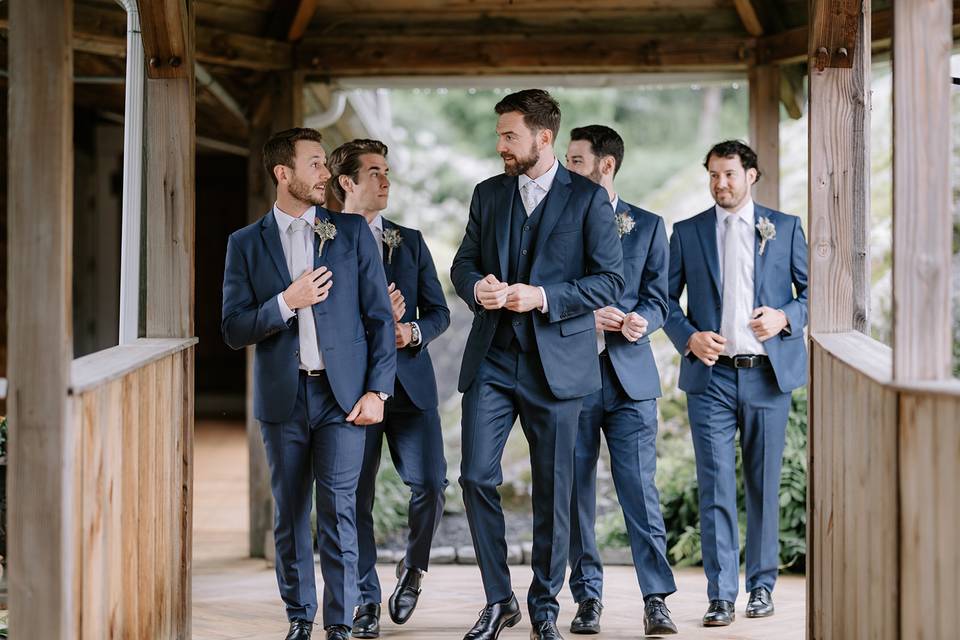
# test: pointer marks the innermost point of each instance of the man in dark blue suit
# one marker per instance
(625, 408)
(359, 180)
(540, 253)
(306, 288)
(744, 267)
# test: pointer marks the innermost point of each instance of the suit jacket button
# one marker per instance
(296, 354)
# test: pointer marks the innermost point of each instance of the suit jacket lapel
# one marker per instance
(759, 261)
(321, 260)
(556, 202)
(388, 265)
(270, 232)
(502, 213)
(707, 231)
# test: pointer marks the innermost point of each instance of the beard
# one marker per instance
(312, 195)
(595, 175)
(728, 199)
(514, 166)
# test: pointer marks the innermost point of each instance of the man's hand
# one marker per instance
(404, 334)
(634, 326)
(608, 319)
(368, 410)
(707, 346)
(767, 322)
(309, 289)
(397, 302)
(523, 297)
(491, 293)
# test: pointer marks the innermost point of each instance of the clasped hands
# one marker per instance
(632, 325)
(708, 345)
(520, 298)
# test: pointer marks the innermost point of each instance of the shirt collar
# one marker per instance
(545, 181)
(615, 203)
(377, 224)
(746, 213)
(284, 219)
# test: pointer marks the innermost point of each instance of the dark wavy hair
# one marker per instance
(539, 109)
(345, 161)
(731, 148)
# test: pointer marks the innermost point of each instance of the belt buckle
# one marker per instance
(314, 373)
(742, 362)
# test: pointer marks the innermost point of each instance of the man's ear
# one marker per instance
(346, 184)
(609, 165)
(751, 176)
(545, 136)
(280, 173)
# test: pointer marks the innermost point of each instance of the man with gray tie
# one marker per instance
(741, 339)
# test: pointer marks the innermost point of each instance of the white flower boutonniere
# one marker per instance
(767, 232)
(391, 238)
(625, 223)
(325, 230)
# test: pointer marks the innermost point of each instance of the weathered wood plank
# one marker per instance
(765, 131)
(165, 31)
(43, 565)
(748, 16)
(96, 369)
(133, 394)
(922, 207)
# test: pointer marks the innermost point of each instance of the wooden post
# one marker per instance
(43, 558)
(280, 107)
(765, 132)
(922, 221)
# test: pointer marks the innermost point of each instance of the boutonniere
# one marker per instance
(391, 238)
(767, 232)
(625, 223)
(325, 230)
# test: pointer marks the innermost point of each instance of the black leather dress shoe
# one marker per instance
(587, 620)
(366, 621)
(299, 629)
(719, 614)
(493, 618)
(404, 599)
(656, 618)
(760, 604)
(338, 632)
(545, 630)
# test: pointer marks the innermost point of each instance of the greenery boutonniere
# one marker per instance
(325, 230)
(625, 223)
(391, 238)
(767, 232)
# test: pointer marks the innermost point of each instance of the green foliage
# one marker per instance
(390, 506)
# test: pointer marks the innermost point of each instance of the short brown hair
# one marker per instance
(281, 148)
(345, 161)
(731, 148)
(539, 109)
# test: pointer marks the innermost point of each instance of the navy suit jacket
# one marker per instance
(355, 329)
(646, 256)
(695, 264)
(578, 261)
(412, 270)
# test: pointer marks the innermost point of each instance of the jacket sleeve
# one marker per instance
(244, 321)
(433, 316)
(678, 327)
(796, 309)
(467, 269)
(652, 298)
(377, 316)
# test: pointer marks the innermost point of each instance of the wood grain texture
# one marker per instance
(922, 207)
(164, 27)
(43, 563)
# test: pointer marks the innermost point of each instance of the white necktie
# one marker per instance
(300, 263)
(731, 283)
(530, 196)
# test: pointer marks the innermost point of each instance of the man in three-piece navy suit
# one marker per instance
(306, 288)
(744, 268)
(625, 408)
(539, 255)
(359, 180)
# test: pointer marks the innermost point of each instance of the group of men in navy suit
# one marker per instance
(566, 283)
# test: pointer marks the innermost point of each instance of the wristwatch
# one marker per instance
(383, 396)
(414, 334)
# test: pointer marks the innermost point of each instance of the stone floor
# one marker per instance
(235, 597)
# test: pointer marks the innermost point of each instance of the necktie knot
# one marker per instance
(297, 225)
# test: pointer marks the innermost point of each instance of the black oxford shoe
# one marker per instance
(404, 599)
(366, 621)
(493, 618)
(299, 629)
(587, 620)
(545, 630)
(719, 614)
(338, 632)
(760, 604)
(656, 618)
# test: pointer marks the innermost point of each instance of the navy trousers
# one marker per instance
(511, 383)
(317, 446)
(630, 429)
(416, 447)
(751, 401)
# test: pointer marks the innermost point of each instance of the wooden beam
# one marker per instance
(922, 214)
(765, 132)
(495, 54)
(301, 20)
(43, 512)
(749, 18)
(792, 94)
(163, 24)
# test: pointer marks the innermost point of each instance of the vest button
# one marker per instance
(524, 252)
(526, 227)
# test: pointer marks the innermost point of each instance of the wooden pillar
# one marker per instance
(922, 220)
(765, 132)
(280, 107)
(43, 557)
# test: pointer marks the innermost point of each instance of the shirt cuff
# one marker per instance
(285, 312)
(419, 335)
(543, 293)
(786, 329)
(475, 285)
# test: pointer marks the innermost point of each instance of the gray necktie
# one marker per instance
(529, 196)
(731, 284)
(300, 263)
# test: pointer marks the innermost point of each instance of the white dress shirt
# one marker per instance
(284, 221)
(735, 325)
